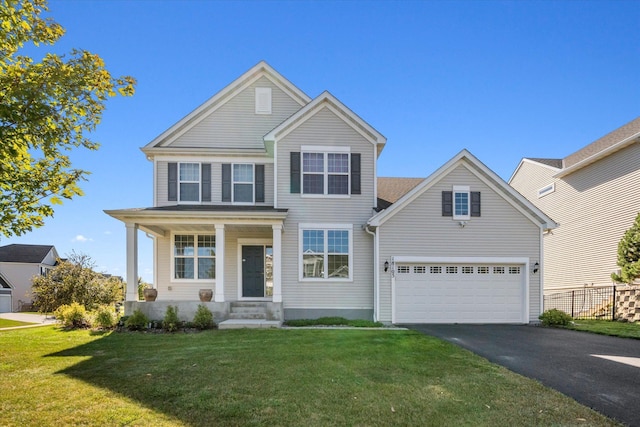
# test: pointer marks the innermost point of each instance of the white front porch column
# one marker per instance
(277, 263)
(132, 262)
(219, 295)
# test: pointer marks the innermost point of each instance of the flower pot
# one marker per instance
(150, 294)
(205, 295)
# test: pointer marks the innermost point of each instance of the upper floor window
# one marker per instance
(325, 171)
(461, 203)
(189, 182)
(194, 256)
(243, 183)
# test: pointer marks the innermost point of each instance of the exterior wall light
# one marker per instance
(536, 267)
(386, 266)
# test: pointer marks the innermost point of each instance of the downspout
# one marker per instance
(376, 278)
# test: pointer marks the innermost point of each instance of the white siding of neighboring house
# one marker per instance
(327, 129)
(20, 276)
(216, 178)
(235, 124)
(420, 229)
(594, 206)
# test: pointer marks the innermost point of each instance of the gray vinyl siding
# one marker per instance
(326, 129)
(188, 290)
(20, 276)
(216, 182)
(235, 124)
(419, 229)
(594, 206)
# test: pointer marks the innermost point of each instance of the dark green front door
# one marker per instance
(253, 271)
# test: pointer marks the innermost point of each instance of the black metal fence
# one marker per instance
(585, 303)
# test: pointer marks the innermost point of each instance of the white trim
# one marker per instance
(325, 228)
(277, 262)
(483, 173)
(262, 69)
(195, 235)
(132, 261)
(325, 148)
(523, 261)
(220, 261)
(199, 182)
(155, 182)
(325, 151)
(461, 189)
(264, 242)
(213, 159)
(263, 93)
(533, 162)
(253, 185)
(547, 189)
(275, 178)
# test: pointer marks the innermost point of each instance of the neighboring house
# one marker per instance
(594, 195)
(271, 199)
(19, 264)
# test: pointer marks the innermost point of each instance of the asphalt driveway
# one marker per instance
(561, 359)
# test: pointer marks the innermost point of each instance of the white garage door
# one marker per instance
(459, 293)
(5, 300)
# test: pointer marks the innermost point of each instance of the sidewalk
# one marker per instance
(36, 319)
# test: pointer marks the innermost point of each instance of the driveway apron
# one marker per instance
(598, 371)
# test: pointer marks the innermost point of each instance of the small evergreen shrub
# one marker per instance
(104, 318)
(137, 321)
(333, 321)
(203, 318)
(171, 323)
(555, 317)
(72, 315)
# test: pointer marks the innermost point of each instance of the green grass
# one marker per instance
(334, 321)
(265, 377)
(607, 327)
(6, 323)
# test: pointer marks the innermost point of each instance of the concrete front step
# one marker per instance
(249, 323)
(251, 315)
(248, 309)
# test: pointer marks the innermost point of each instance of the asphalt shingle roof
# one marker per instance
(24, 253)
(390, 190)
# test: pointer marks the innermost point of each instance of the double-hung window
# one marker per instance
(326, 172)
(461, 202)
(325, 252)
(243, 183)
(194, 256)
(189, 182)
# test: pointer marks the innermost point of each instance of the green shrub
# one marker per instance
(555, 317)
(104, 317)
(72, 315)
(203, 318)
(333, 321)
(171, 323)
(137, 321)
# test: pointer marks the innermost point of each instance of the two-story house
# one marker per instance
(269, 198)
(594, 195)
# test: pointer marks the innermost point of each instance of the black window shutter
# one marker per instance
(295, 172)
(447, 203)
(259, 189)
(355, 173)
(475, 203)
(226, 182)
(206, 182)
(173, 182)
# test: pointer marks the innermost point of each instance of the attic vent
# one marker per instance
(263, 100)
(547, 190)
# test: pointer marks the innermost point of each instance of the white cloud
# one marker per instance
(82, 239)
(108, 233)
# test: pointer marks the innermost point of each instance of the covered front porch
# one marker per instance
(234, 252)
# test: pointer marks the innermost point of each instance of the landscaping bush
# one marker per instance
(333, 321)
(72, 315)
(171, 323)
(555, 317)
(137, 321)
(203, 318)
(104, 318)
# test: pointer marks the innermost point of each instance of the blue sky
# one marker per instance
(503, 79)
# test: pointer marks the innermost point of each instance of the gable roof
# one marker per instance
(392, 189)
(32, 254)
(261, 69)
(554, 163)
(600, 148)
(4, 283)
(485, 174)
(327, 100)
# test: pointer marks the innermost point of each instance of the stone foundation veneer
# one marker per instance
(628, 303)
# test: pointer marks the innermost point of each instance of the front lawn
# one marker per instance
(7, 323)
(607, 327)
(265, 377)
